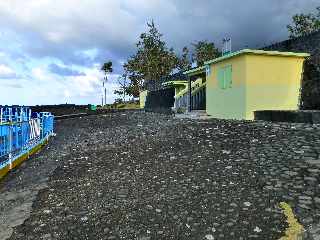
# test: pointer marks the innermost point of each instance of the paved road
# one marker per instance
(149, 176)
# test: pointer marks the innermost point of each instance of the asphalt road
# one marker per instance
(150, 176)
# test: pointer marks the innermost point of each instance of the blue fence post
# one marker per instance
(10, 145)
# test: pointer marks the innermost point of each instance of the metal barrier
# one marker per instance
(14, 114)
(20, 132)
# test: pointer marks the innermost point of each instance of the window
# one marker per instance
(225, 77)
(208, 70)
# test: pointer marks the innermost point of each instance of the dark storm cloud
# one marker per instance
(64, 71)
(250, 23)
(113, 27)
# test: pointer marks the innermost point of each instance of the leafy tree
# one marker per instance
(118, 101)
(204, 51)
(304, 24)
(123, 83)
(152, 60)
(134, 87)
(185, 61)
(107, 67)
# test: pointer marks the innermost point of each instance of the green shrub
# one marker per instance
(181, 110)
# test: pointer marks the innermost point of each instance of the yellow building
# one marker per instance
(197, 90)
(142, 98)
(248, 80)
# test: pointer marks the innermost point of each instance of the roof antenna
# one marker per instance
(227, 46)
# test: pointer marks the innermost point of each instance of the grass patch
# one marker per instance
(122, 106)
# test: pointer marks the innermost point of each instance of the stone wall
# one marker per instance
(310, 91)
(302, 116)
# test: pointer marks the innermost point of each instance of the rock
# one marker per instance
(257, 229)
(47, 236)
(317, 200)
(209, 237)
(311, 179)
(313, 162)
(305, 197)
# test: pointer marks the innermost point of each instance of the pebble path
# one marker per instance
(148, 176)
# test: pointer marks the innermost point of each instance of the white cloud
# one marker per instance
(41, 74)
(87, 84)
(66, 93)
(6, 72)
(70, 25)
(78, 33)
(83, 89)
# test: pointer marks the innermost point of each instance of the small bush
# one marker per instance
(181, 110)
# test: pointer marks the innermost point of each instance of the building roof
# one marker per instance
(154, 85)
(195, 70)
(175, 83)
(176, 76)
(257, 52)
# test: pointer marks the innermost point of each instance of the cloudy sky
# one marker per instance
(51, 50)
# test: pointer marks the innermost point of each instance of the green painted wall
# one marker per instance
(229, 103)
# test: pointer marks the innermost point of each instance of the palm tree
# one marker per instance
(106, 68)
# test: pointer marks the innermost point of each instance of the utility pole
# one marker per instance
(102, 92)
(105, 90)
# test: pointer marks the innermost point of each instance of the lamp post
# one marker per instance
(104, 91)
(106, 68)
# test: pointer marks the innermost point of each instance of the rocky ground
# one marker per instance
(150, 176)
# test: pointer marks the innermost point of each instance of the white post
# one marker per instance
(105, 90)
(10, 146)
(10, 114)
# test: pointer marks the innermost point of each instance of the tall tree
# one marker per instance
(184, 61)
(304, 24)
(204, 51)
(152, 60)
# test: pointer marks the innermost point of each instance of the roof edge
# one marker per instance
(258, 52)
(176, 82)
(195, 70)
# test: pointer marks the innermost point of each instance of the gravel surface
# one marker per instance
(149, 176)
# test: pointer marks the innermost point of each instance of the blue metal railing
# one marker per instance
(20, 131)
(14, 114)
